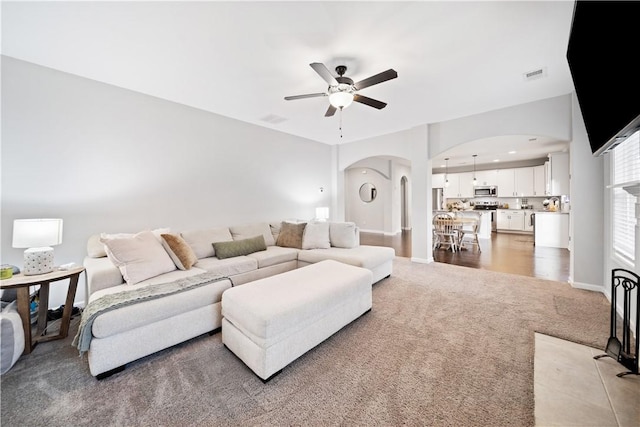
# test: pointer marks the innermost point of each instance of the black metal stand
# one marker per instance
(621, 351)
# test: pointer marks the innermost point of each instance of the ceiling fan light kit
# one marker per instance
(342, 91)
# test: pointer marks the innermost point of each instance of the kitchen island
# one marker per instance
(552, 229)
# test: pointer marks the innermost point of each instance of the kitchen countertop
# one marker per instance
(550, 212)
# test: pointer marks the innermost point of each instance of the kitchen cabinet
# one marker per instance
(523, 179)
(539, 180)
(558, 174)
(552, 230)
(437, 180)
(512, 220)
(487, 178)
(460, 186)
(516, 182)
(505, 180)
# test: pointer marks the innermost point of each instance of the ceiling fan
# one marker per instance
(342, 90)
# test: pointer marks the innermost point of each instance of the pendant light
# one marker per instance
(446, 172)
(475, 181)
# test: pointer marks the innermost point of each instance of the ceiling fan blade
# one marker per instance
(324, 73)
(330, 111)
(309, 95)
(378, 78)
(369, 101)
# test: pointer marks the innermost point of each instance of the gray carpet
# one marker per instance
(443, 345)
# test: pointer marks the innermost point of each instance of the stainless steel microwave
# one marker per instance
(485, 191)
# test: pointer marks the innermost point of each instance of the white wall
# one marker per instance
(107, 159)
(587, 209)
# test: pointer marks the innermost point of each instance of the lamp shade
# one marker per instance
(322, 213)
(35, 233)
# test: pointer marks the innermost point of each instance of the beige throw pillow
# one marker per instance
(179, 251)
(291, 235)
(139, 257)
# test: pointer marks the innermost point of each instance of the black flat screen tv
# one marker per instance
(603, 55)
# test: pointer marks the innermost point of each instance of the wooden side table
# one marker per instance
(21, 283)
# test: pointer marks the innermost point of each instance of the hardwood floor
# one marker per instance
(504, 252)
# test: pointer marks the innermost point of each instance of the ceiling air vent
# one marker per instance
(273, 119)
(535, 74)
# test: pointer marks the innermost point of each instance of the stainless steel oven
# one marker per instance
(485, 191)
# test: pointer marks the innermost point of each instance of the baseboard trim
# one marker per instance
(422, 260)
(587, 286)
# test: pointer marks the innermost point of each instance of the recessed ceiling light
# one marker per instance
(512, 152)
(496, 160)
(443, 166)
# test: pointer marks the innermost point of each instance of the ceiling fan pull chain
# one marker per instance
(340, 122)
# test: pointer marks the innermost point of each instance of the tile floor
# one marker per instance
(573, 389)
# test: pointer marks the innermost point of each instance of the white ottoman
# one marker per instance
(271, 322)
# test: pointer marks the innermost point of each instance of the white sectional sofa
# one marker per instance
(120, 263)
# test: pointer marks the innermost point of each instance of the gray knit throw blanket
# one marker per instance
(117, 300)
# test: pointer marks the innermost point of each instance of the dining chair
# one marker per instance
(470, 231)
(445, 231)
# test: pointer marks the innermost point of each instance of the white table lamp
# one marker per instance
(37, 235)
(322, 213)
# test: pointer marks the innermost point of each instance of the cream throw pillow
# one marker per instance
(316, 235)
(139, 257)
(343, 234)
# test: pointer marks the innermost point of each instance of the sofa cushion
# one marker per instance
(147, 312)
(316, 235)
(241, 232)
(274, 255)
(343, 234)
(360, 256)
(291, 235)
(179, 251)
(201, 241)
(228, 266)
(239, 247)
(139, 257)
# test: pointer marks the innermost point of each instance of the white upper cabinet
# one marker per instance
(465, 184)
(506, 182)
(460, 186)
(523, 182)
(487, 177)
(437, 180)
(539, 181)
(518, 182)
(559, 174)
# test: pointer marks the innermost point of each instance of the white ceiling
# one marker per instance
(239, 59)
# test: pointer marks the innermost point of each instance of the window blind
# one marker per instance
(626, 169)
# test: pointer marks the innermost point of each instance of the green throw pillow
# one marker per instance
(239, 247)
